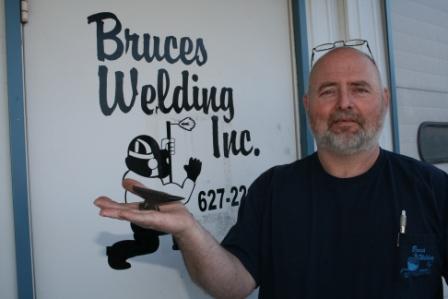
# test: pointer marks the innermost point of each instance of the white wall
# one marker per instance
(421, 58)
(8, 288)
(77, 153)
(421, 62)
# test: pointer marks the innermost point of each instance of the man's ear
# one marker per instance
(386, 97)
(306, 102)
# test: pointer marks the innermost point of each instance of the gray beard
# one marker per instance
(349, 143)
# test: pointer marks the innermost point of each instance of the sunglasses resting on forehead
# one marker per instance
(353, 43)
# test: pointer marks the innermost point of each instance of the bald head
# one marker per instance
(344, 55)
(346, 103)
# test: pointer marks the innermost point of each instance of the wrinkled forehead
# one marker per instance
(345, 61)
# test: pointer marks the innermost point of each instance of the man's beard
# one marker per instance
(346, 142)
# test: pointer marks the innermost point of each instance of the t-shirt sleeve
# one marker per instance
(244, 239)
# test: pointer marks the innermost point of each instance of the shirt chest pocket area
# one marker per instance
(419, 266)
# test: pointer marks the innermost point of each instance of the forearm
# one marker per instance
(212, 267)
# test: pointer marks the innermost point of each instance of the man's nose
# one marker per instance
(345, 100)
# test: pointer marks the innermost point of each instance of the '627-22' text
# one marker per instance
(219, 198)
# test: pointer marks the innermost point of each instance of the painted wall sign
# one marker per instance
(192, 98)
(160, 96)
(147, 159)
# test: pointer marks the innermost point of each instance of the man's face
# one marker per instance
(346, 104)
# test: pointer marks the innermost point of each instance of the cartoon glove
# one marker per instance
(169, 145)
(193, 169)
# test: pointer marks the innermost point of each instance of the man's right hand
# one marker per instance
(172, 218)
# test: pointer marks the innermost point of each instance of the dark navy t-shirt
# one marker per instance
(303, 233)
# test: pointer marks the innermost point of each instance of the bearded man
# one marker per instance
(351, 220)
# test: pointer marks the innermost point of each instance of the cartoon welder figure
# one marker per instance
(150, 163)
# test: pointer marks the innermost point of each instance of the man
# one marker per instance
(350, 221)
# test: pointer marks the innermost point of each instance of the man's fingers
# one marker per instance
(170, 219)
(149, 219)
(111, 213)
(129, 185)
(104, 202)
(139, 217)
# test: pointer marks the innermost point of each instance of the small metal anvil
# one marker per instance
(153, 198)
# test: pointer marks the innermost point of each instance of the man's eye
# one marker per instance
(361, 90)
(327, 92)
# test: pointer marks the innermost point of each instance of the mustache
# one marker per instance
(345, 116)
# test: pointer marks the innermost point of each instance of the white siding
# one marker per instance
(421, 58)
(8, 287)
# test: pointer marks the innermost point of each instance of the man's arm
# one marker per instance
(211, 266)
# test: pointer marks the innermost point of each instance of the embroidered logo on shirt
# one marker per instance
(418, 263)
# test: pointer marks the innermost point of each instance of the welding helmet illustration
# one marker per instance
(146, 158)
